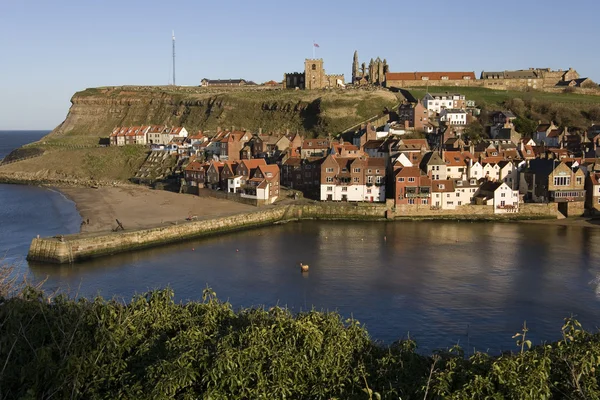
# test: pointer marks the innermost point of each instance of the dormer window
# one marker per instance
(441, 186)
(458, 183)
(473, 181)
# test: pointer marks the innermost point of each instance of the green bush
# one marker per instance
(154, 348)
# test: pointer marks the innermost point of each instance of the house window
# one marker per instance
(378, 179)
(370, 179)
(411, 201)
(447, 194)
(328, 169)
(399, 179)
(411, 179)
(441, 186)
(502, 194)
(355, 180)
(450, 203)
(368, 190)
(329, 179)
(579, 180)
(356, 169)
(329, 188)
(457, 194)
(423, 201)
(370, 171)
(344, 189)
(562, 180)
(460, 203)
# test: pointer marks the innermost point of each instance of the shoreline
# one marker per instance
(165, 208)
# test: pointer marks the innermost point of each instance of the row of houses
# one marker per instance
(252, 179)
(146, 135)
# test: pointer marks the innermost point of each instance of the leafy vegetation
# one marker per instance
(154, 348)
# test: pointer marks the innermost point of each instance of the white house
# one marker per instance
(453, 116)
(475, 170)
(436, 102)
(263, 185)
(500, 196)
(457, 163)
(491, 171)
(509, 174)
(464, 191)
(235, 183)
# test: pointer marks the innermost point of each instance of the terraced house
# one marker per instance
(412, 186)
(353, 179)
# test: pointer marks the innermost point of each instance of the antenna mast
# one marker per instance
(173, 58)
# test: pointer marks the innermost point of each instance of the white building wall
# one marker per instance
(491, 171)
(456, 173)
(354, 192)
(476, 171)
(505, 196)
(233, 184)
(509, 175)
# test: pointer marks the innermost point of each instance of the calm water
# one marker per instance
(26, 211)
(442, 283)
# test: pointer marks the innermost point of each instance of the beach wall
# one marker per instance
(80, 247)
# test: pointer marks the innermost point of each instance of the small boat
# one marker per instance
(303, 267)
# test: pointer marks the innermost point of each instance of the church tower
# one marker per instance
(314, 74)
(355, 72)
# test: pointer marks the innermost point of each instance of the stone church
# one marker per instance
(373, 75)
(313, 77)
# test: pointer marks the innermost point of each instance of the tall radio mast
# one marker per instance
(173, 58)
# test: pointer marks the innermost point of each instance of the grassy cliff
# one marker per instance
(71, 152)
(95, 112)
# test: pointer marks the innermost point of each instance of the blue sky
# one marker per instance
(52, 49)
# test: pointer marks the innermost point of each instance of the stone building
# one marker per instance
(412, 79)
(313, 77)
(374, 75)
(535, 78)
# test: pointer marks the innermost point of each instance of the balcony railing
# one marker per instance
(416, 195)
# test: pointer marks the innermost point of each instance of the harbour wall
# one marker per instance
(80, 247)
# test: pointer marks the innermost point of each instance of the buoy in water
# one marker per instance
(303, 267)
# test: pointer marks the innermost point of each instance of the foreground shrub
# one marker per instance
(154, 348)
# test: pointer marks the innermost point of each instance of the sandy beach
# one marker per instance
(139, 207)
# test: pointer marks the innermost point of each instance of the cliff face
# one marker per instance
(95, 112)
(70, 154)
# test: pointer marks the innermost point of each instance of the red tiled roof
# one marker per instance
(315, 144)
(376, 162)
(457, 158)
(272, 168)
(433, 76)
(409, 172)
(254, 163)
(448, 186)
(195, 166)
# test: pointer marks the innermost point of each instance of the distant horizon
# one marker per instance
(55, 51)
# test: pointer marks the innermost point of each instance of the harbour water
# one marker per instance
(440, 283)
